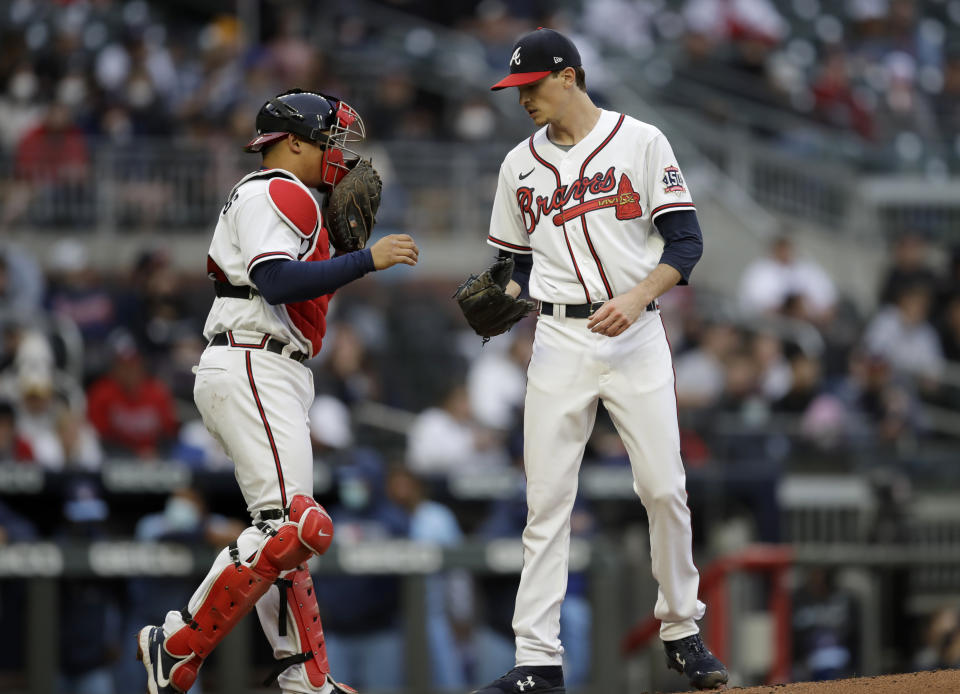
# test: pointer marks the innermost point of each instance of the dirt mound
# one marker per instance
(936, 682)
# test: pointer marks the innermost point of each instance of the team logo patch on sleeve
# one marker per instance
(673, 180)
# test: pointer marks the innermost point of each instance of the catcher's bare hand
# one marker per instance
(394, 249)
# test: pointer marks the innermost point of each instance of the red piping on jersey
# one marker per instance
(266, 427)
(512, 246)
(670, 206)
(586, 233)
(267, 255)
(573, 259)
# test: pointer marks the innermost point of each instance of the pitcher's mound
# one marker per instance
(935, 682)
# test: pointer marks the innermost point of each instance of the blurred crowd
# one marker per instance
(884, 74)
(887, 71)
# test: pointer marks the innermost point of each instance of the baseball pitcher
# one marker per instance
(592, 216)
(273, 274)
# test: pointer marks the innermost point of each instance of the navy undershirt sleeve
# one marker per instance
(289, 281)
(522, 265)
(683, 241)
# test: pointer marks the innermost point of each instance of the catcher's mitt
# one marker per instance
(487, 307)
(351, 209)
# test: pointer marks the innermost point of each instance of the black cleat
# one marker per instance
(528, 679)
(690, 657)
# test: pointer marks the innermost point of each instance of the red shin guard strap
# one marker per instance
(302, 604)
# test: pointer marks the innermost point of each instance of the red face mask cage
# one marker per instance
(339, 157)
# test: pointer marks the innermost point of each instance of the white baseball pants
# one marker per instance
(255, 403)
(571, 368)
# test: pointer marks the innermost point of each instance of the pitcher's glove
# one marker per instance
(487, 307)
(351, 209)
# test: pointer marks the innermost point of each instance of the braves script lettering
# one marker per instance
(531, 209)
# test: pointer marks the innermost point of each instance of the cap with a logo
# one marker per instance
(536, 55)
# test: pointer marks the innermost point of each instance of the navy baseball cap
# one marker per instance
(536, 55)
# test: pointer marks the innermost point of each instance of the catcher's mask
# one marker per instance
(322, 119)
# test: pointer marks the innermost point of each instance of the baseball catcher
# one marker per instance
(351, 209)
(486, 305)
(274, 278)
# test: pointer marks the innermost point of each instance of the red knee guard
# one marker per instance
(314, 526)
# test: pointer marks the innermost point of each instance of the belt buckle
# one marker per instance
(595, 306)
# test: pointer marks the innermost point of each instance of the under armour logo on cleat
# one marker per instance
(529, 683)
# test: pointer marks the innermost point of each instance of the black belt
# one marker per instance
(234, 291)
(271, 345)
(583, 310)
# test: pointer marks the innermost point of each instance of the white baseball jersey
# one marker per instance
(587, 213)
(258, 224)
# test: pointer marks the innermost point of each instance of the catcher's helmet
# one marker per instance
(322, 119)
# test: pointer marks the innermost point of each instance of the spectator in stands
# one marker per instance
(156, 310)
(348, 372)
(909, 264)
(59, 438)
(836, 100)
(903, 335)
(805, 384)
(25, 349)
(14, 447)
(940, 640)
(449, 595)
(76, 293)
(767, 283)
(741, 387)
(497, 379)
(904, 108)
(53, 164)
(825, 628)
(872, 409)
(331, 429)
(19, 110)
(766, 350)
(445, 439)
(361, 613)
(21, 282)
(701, 370)
(90, 612)
(132, 410)
(176, 364)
